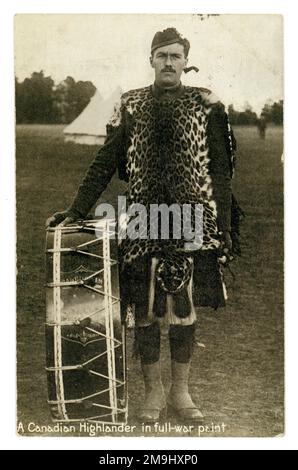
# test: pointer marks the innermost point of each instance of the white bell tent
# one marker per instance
(89, 127)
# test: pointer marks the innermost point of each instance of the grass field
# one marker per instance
(237, 377)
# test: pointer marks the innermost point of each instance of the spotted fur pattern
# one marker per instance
(167, 160)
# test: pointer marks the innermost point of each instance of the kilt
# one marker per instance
(142, 295)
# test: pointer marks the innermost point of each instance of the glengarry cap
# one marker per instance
(169, 36)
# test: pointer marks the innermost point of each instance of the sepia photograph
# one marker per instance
(150, 225)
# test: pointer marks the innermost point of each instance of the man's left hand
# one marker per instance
(226, 241)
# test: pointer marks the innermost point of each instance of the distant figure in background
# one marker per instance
(262, 125)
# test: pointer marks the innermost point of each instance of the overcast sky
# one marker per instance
(239, 56)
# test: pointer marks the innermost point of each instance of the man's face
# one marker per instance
(168, 63)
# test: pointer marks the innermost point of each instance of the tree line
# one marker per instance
(271, 113)
(39, 101)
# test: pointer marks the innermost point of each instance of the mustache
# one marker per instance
(168, 69)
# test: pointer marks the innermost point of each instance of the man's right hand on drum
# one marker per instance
(60, 218)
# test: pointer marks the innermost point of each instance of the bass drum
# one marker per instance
(85, 339)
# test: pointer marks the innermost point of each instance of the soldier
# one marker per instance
(172, 144)
(261, 124)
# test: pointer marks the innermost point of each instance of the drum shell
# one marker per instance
(78, 369)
